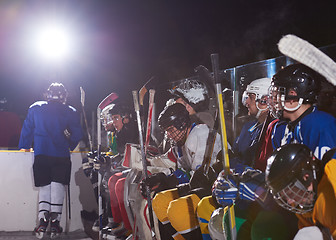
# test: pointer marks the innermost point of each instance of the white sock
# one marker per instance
(44, 200)
(57, 198)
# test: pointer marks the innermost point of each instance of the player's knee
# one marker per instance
(161, 202)
(182, 213)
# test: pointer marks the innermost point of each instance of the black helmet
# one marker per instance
(120, 109)
(174, 115)
(57, 92)
(291, 173)
(300, 78)
(193, 92)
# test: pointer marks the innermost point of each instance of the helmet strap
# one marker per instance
(260, 110)
(291, 109)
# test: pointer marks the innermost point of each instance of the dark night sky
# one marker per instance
(121, 44)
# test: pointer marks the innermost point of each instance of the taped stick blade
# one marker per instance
(309, 55)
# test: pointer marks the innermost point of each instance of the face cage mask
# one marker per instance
(296, 198)
(176, 136)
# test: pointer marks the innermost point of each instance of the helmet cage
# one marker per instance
(277, 98)
(176, 135)
(296, 198)
(291, 175)
(174, 115)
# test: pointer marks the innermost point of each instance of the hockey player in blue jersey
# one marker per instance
(293, 96)
(245, 147)
(52, 128)
(294, 93)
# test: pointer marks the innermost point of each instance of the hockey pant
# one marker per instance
(116, 187)
(179, 212)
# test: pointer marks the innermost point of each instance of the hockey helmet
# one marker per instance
(175, 120)
(174, 115)
(193, 92)
(57, 92)
(260, 88)
(120, 109)
(291, 174)
(299, 78)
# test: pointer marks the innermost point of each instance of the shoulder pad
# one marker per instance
(38, 103)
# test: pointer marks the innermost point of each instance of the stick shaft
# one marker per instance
(144, 163)
(149, 118)
(85, 119)
(215, 66)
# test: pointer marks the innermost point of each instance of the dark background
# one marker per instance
(121, 44)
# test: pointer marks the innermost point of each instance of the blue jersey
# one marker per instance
(317, 130)
(44, 127)
(245, 145)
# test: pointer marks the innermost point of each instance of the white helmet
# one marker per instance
(259, 87)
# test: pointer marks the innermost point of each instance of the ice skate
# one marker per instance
(41, 230)
(55, 229)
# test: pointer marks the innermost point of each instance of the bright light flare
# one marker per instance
(53, 43)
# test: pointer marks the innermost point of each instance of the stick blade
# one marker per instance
(109, 99)
(82, 94)
(309, 55)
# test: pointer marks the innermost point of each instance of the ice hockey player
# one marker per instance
(189, 141)
(305, 185)
(246, 146)
(120, 130)
(293, 95)
(55, 129)
(124, 132)
(91, 166)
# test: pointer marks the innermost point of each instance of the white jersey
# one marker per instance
(194, 148)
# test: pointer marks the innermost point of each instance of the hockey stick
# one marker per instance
(225, 154)
(149, 118)
(143, 90)
(106, 101)
(82, 94)
(144, 163)
(205, 76)
(309, 55)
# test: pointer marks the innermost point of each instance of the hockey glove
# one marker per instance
(200, 180)
(225, 190)
(252, 184)
(101, 162)
(88, 163)
(157, 182)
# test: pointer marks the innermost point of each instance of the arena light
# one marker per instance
(53, 42)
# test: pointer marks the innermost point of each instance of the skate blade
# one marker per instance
(55, 235)
(41, 235)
